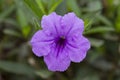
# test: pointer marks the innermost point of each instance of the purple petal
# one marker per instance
(72, 23)
(41, 36)
(41, 43)
(77, 51)
(40, 49)
(59, 63)
(51, 23)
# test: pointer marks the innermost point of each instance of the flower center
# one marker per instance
(61, 41)
(60, 44)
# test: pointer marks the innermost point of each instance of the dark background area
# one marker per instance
(20, 19)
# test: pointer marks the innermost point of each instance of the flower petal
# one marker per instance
(51, 23)
(72, 23)
(41, 43)
(59, 63)
(41, 36)
(40, 49)
(78, 52)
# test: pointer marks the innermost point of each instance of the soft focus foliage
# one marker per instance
(20, 19)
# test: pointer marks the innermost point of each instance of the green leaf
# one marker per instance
(36, 23)
(62, 8)
(12, 32)
(7, 12)
(72, 5)
(99, 30)
(86, 73)
(40, 4)
(26, 30)
(95, 5)
(21, 18)
(9, 21)
(44, 73)
(16, 68)
(35, 9)
(96, 42)
(88, 23)
(117, 22)
(23, 23)
(103, 65)
(55, 6)
(103, 19)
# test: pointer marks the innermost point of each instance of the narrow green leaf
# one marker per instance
(103, 19)
(55, 6)
(88, 23)
(36, 23)
(9, 21)
(62, 8)
(117, 22)
(91, 7)
(34, 8)
(21, 18)
(44, 73)
(86, 73)
(72, 5)
(23, 22)
(99, 30)
(12, 32)
(6, 12)
(16, 68)
(103, 64)
(96, 42)
(26, 30)
(40, 4)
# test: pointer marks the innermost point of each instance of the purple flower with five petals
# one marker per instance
(60, 41)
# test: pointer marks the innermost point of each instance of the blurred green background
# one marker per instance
(20, 19)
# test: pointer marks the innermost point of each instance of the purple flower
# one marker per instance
(60, 41)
